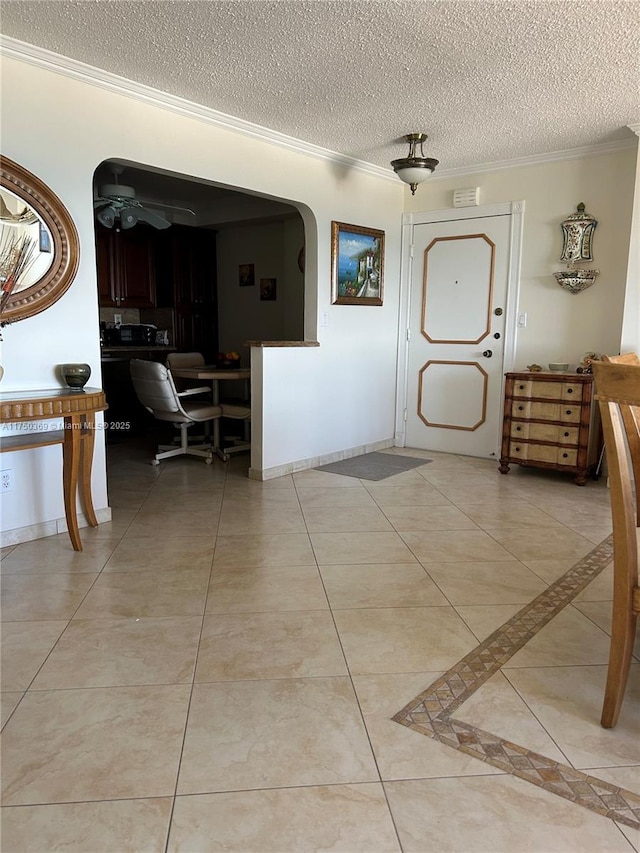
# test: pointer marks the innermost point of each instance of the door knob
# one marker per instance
(487, 353)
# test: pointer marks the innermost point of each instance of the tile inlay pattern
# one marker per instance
(430, 713)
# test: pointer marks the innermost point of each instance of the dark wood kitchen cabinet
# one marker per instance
(188, 282)
(126, 267)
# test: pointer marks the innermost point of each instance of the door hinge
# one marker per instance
(408, 334)
(404, 415)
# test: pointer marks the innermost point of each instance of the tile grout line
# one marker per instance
(430, 712)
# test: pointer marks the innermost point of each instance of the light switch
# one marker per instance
(324, 319)
(522, 320)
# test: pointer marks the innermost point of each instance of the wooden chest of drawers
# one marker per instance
(549, 423)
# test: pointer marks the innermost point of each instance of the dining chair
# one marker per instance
(184, 359)
(623, 358)
(617, 387)
(156, 391)
(632, 435)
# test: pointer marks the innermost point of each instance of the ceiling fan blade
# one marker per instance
(151, 218)
(152, 203)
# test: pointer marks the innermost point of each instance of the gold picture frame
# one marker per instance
(357, 265)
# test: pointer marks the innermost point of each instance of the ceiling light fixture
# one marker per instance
(106, 217)
(414, 169)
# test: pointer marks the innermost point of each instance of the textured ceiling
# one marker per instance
(488, 81)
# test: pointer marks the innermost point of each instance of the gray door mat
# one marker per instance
(373, 466)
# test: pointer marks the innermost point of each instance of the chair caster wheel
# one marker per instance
(209, 461)
(155, 461)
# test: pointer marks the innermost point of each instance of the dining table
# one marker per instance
(215, 374)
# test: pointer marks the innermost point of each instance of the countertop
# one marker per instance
(119, 350)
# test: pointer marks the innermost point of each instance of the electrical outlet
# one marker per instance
(117, 319)
(6, 480)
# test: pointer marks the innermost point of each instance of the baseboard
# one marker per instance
(316, 461)
(48, 528)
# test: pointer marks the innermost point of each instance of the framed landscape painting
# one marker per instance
(357, 265)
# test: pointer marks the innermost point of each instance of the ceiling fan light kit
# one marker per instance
(116, 204)
(415, 167)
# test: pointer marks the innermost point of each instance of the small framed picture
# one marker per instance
(268, 289)
(246, 275)
(44, 242)
(357, 265)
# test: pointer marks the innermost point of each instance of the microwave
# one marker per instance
(137, 334)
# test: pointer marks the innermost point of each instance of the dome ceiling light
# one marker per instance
(414, 169)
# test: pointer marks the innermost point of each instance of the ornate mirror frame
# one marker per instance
(65, 244)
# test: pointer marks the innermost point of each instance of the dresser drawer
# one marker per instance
(543, 453)
(531, 410)
(547, 390)
(550, 421)
(546, 432)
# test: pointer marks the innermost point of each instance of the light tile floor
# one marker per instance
(219, 668)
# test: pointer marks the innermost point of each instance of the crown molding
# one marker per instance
(42, 58)
(538, 159)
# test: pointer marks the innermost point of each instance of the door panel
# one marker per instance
(464, 410)
(471, 259)
(459, 278)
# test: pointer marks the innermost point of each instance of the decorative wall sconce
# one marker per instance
(414, 169)
(577, 232)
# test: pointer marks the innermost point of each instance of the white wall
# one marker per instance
(273, 250)
(61, 128)
(561, 326)
(630, 338)
(311, 402)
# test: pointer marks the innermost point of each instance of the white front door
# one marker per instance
(458, 318)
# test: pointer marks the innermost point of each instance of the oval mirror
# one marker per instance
(39, 247)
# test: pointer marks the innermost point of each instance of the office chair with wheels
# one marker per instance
(156, 391)
(175, 360)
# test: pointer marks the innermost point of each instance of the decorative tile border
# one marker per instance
(430, 712)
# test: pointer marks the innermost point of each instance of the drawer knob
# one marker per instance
(564, 455)
(521, 387)
(566, 435)
(518, 429)
(517, 450)
(520, 408)
(568, 412)
(569, 390)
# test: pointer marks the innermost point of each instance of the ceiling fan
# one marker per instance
(117, 205)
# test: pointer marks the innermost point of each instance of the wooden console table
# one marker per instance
(78, 408)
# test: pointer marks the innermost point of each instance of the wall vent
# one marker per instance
(468, 197)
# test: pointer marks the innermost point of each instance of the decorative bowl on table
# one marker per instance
(558, 367)
(75, 375)
(228, 359)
